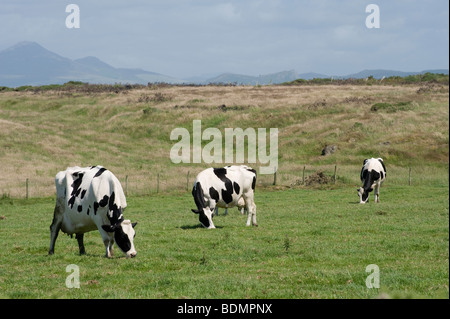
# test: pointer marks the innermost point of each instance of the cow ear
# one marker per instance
(133, 224)
(109, 228)
(195, 211)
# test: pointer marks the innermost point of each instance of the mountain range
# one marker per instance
(28, 63)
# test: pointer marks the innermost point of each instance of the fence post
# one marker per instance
(275, 175)
(187, 181)
(157, 183)
(27, 189)
(126, 185)
(409, 176)
(303, 177)
(335, 168)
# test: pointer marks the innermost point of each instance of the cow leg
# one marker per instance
(251, 208)
(108, 245)
(80, 238)
(108, 241)
(111, 245)
(252, 216)
(216, 211)
(209, 214)
(54, 229)
(377, 193)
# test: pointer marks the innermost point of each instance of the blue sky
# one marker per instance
(198, 37)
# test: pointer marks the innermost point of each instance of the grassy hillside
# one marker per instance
(127, 129)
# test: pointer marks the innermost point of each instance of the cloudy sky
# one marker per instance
(206, 37)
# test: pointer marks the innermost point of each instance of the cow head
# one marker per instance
(123, 236)
(205, 216)
(363, 195)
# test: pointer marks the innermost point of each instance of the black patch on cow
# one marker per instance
(369, 178)
(100, 172)
(197, 193)
(382, 175)
(80, 208)
(83, 193)
(251, 170)
(71, 201)
(88, 211)
(122, 239)
(254, 182)
(203, 219)
(104, 201)
(375, 175)
(114, 211)
(236, 187)
(382, 164)
(220, 172)
(227, 193)
(75, 188)
(365, 196)
(214, 194)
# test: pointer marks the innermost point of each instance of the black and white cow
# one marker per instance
(87, 199)
(373, 174)
(224, 187)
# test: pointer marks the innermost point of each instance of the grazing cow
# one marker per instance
(224, 187)
(88, 199)
(373, 174)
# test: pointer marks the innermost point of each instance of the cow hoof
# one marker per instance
(256, 225)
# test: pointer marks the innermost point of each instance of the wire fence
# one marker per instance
(139, 184)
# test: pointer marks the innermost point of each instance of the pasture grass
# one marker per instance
(311, 243)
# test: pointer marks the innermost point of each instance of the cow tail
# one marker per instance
(197, 193)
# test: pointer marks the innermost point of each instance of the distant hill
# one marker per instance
(28, 63)
(380, 73)
(273, 78)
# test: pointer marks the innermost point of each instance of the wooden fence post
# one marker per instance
(275, 175)
(157, 183)
(187, 181)
(334, 178)
(303, 177)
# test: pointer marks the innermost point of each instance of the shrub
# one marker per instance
(391, 108)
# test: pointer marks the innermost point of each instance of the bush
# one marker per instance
(391, 108)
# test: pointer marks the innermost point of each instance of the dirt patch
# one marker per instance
(318, 178)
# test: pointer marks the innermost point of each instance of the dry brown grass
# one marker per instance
(128, 131)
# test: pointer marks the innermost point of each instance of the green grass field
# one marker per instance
(312, 241)
(310, 244)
